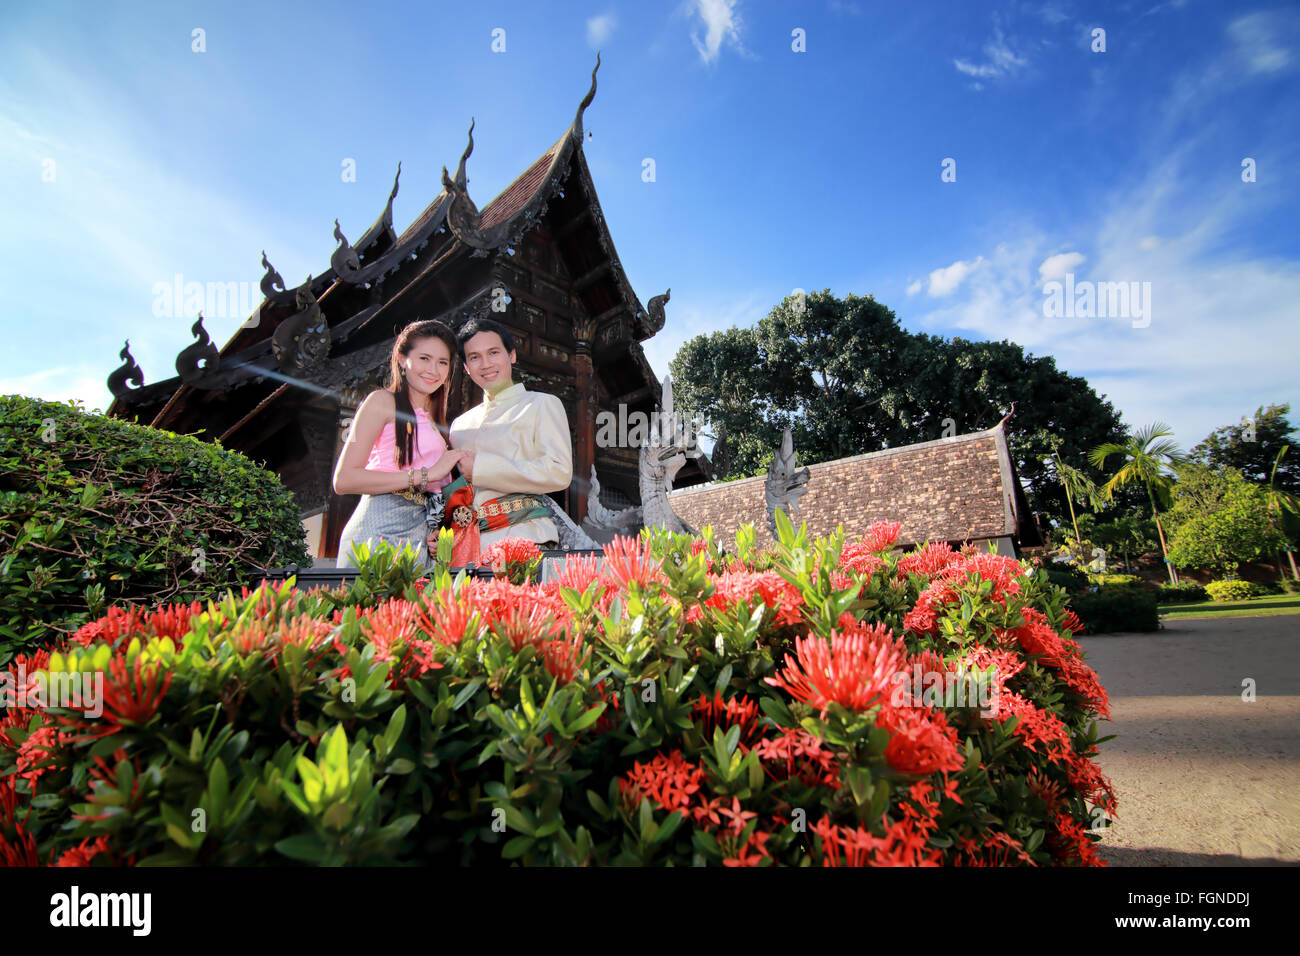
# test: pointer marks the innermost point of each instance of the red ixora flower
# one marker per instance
(669, 780)
(83, 853)
(448, 616)
(563, 658)
(391, 623)
(854, 669)
(904, 844)
(930, 560)
(922, 742)
(173, 621)
(798, 754)
(736, 587)
(115, 623)
(131, 695)
(629, 560)
(17, 846)
(882, 535)
(735, 711)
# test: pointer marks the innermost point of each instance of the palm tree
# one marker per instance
(1279, 501)
(1078, 486)
(1146, 455)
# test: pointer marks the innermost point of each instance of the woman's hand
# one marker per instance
(442, 468)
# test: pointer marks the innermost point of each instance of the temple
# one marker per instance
(538, 258)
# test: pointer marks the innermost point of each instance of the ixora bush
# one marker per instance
(821, 704)
(94, 511)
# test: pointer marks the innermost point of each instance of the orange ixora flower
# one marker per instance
(853, 669)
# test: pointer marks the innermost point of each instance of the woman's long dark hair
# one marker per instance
(404, 424)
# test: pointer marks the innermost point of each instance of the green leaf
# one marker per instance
(302, 847)
(466, 693)
(517, 847)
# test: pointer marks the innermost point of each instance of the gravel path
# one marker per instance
(1203, 778)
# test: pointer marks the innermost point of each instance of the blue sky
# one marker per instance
(126, 158)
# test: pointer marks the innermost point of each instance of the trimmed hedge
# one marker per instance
(1187, 593)
(94, 510)
(1234, 590)
(669, 705)
(1111, 611)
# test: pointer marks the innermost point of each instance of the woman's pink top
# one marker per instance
(428, 448)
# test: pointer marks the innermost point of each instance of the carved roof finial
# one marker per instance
(586, 100)
(469, 148)
(129, 372)
(396, 180)
(271, 279)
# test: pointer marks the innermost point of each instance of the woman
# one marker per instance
(395, 451)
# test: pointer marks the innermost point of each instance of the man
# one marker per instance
(516, 442)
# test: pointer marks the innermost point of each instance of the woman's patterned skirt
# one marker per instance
(389, 518)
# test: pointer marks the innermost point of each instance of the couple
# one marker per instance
(510, 450)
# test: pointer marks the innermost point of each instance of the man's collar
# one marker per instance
(505, 397)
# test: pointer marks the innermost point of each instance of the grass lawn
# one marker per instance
(1255, 607)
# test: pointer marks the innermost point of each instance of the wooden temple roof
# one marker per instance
(297, 334)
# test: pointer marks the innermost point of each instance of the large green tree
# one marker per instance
(1252, 448)
(846, 378)
(1219, 519)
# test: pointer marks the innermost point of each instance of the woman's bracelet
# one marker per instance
(410, 481)
(424, 477)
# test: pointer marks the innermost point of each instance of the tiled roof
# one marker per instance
(952, 489)
(518, 194)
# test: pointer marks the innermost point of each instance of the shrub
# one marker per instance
(1233, 590)
(1069, 578)
(1109, 610)
(1186, 593)
(1117, 581)
(665, 706)
(94, 510)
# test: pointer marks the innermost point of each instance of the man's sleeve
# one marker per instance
(550, 470)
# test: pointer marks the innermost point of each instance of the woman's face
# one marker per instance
(427, 365)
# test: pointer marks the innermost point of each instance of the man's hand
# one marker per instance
(467, 465)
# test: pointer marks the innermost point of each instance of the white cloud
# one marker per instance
(1256, 36)
(721, 26)
(945, 281)
(1000, 60)
(600, 29)
(1054, 267)
(914, 288)
(60, 385)
(1222, 338)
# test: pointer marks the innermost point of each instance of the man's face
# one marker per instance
(487, 362)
